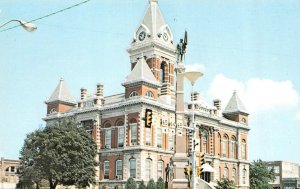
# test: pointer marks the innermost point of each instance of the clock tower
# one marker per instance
(154, 40)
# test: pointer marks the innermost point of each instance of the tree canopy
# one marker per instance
(130, 184)
(260, 175)
(59, 154)
(225, 184)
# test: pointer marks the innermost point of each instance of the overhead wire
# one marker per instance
(51, 14)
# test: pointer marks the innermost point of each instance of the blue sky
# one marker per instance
(251, 46)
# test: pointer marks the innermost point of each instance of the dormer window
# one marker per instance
(52, 111)
(149, 94)
(133, 93)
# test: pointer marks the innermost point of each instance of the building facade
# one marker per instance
(129, 148)
(287, 174)
(8, 173)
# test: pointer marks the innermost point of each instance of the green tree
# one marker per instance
(260, 175)
(59, 154)
(225, 184)
(151, 184)
(142, 185)
(160, 183)
(130, 184)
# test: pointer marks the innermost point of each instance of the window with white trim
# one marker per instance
(148, 136)
(159, 137)
(232, 148)
(171, 141)
(224, 146)
(108, 138)
(244, 176)
(133, 93)
(226, 172)
(119, 169)
(243, 149)
(160, 169)
(205, 137)
(106, 169)
(121, 136)
(148, 169)
(233, 175)
(132, 168)
(149, 94)
(133, 133)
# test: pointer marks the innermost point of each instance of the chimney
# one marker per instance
(99, 90)
(217, 104)
(195, 96)
(83, 93)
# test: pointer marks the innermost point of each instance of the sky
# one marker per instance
(251, 46)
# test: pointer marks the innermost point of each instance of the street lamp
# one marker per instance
(192, 76)
(30, 27)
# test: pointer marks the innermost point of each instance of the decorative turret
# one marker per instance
(141, 81)
(153, 38)
(235, 110)
(61, 100)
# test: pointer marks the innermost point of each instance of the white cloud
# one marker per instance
(195, 67)
(257, 94)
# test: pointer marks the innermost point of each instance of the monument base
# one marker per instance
(179, 181)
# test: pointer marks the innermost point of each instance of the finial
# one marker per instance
(61, 79)
(154, 1)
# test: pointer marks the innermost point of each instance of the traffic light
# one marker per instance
(187, 171)
(148, 118)
(201, 162)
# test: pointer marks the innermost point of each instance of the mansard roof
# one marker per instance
(61, 93)
(235, 105)
(141, 73)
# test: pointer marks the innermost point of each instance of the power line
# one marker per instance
(51, 14)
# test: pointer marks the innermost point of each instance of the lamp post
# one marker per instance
(192, 76)
(30, 27)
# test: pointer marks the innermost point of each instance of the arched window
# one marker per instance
(149, 94)
(226, 172)
(244, 176)
(220, 145)
(224, 146)
(232, 147)
(132, 168)
(133, 93)
(243, 149)
(148, 169)
(243, 120)
(233, 175)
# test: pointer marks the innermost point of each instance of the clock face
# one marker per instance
(165, 36)
(142, 36)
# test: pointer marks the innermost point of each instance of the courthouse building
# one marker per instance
(129, 149)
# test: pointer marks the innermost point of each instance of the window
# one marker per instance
(232, 147)
(205, 137)
(133, 132)
(149, 94)
(108, 138)
(132, 168)
(243, 149)
(121, 136)
(106, 169)
(148, 169)
(244, 176)
(226, 172)
(148, 136)
(162, 72)
(159, 137)
(224, 146)
(160, 169)
(234, 175)
(119, 169)
(133, 93)
(12, 169)
(171, 139)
